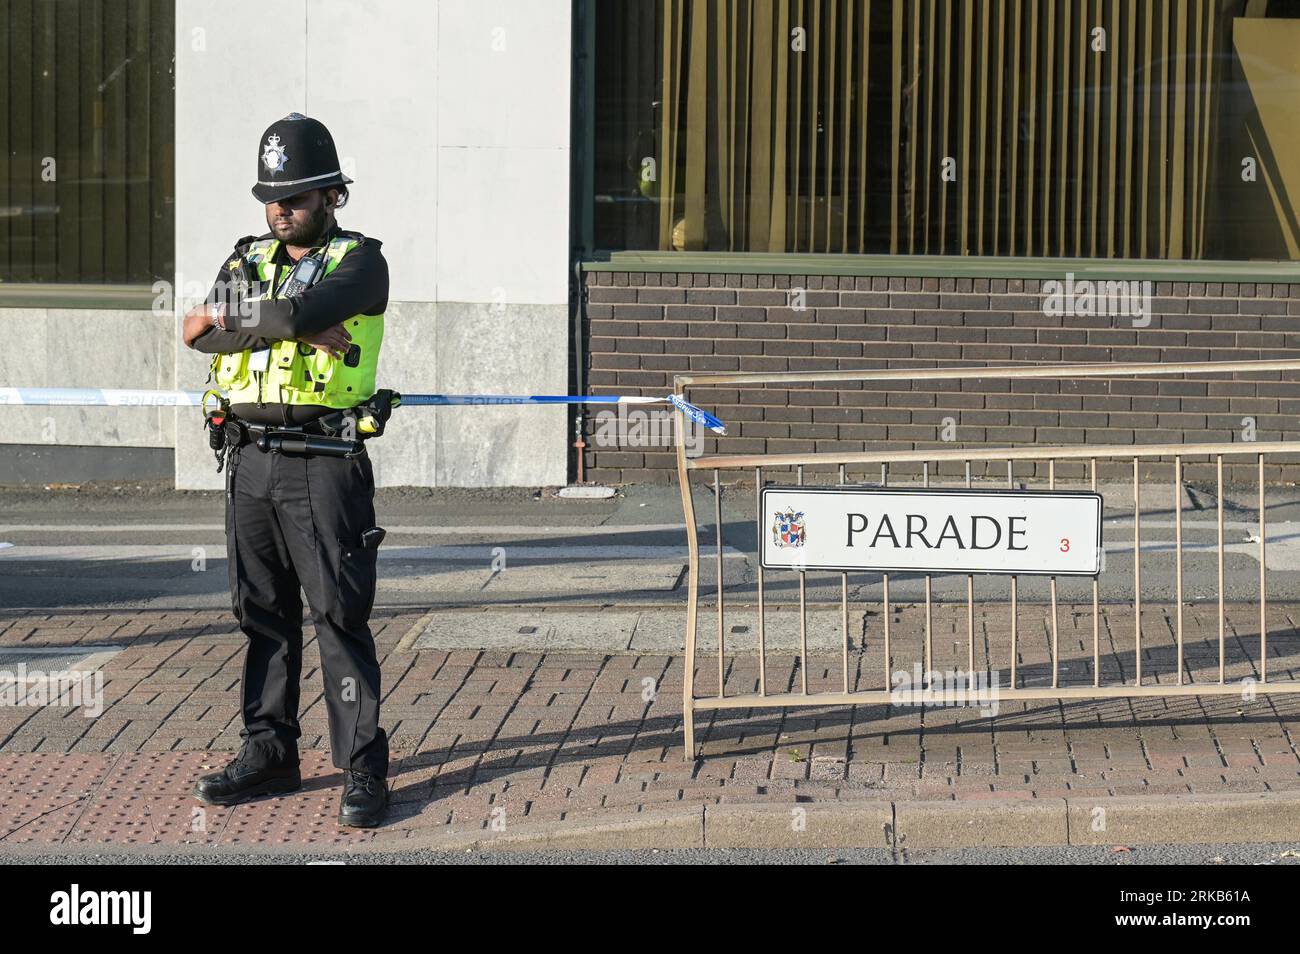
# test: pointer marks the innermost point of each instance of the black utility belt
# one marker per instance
(339, 433)
(309, 438)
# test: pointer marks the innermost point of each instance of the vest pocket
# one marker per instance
(321, 367)
(287, 373)
(231, 370)
(352, 377)
(298, 370)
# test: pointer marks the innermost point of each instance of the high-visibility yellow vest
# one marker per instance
(297, 373)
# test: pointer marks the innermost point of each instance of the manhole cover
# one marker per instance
(55, 676)
(550, 631)
(33, 662)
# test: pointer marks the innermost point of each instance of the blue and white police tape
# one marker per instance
(99, 397)
(696, 414)
(125, 397)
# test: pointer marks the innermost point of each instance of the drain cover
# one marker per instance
(53, 659)
(550, 631)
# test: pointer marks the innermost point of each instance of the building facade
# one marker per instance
(593, 197)
(848, 185)
(452, 117)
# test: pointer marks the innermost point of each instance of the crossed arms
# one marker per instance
(358, 286)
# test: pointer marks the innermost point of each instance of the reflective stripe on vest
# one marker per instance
(297, 373)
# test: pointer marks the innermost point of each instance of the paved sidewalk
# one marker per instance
(521, 747)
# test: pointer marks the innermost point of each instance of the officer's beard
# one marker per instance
(310, 232)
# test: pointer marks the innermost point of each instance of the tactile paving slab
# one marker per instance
(43, 795)
(136, 819)
(26, 820)
(304, 818)
(161, 773)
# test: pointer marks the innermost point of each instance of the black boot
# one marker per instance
(253, 772)
(365, 800)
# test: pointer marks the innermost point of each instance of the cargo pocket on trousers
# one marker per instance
(356, 581)
(232, 536)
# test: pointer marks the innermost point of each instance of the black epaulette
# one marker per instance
(361, 239)
(242, 245)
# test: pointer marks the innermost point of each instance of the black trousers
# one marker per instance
(296, 521)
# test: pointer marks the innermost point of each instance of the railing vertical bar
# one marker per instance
(803, 617)
(1137, 573)
(1222, 636)
(1011, 485)
(693, 591)
(929, 604)
(844, 608)
(1015, 616)
(717, 519)
(1096, 602)
(970, 608)
(884, 589)
(1056, 641)
(1178, 560)
(762, 635)
(1263, 596)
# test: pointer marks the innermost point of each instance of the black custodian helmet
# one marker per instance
(296, 155)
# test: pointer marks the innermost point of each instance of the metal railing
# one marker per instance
(847, 694)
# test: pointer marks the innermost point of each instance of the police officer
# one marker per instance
(294, 324)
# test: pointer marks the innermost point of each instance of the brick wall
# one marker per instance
(641, 328)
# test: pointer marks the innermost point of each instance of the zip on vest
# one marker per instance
(261, 375)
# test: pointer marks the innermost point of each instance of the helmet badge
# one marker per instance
(273, 154)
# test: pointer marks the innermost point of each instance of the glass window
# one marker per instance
(1063, 128)
(86, 134)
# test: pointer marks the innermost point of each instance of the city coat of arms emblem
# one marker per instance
(788, 528)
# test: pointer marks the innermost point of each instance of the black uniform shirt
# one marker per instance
(358, 286)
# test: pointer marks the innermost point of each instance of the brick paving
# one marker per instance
(485, 740)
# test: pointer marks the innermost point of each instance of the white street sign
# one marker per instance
(1044, 533)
